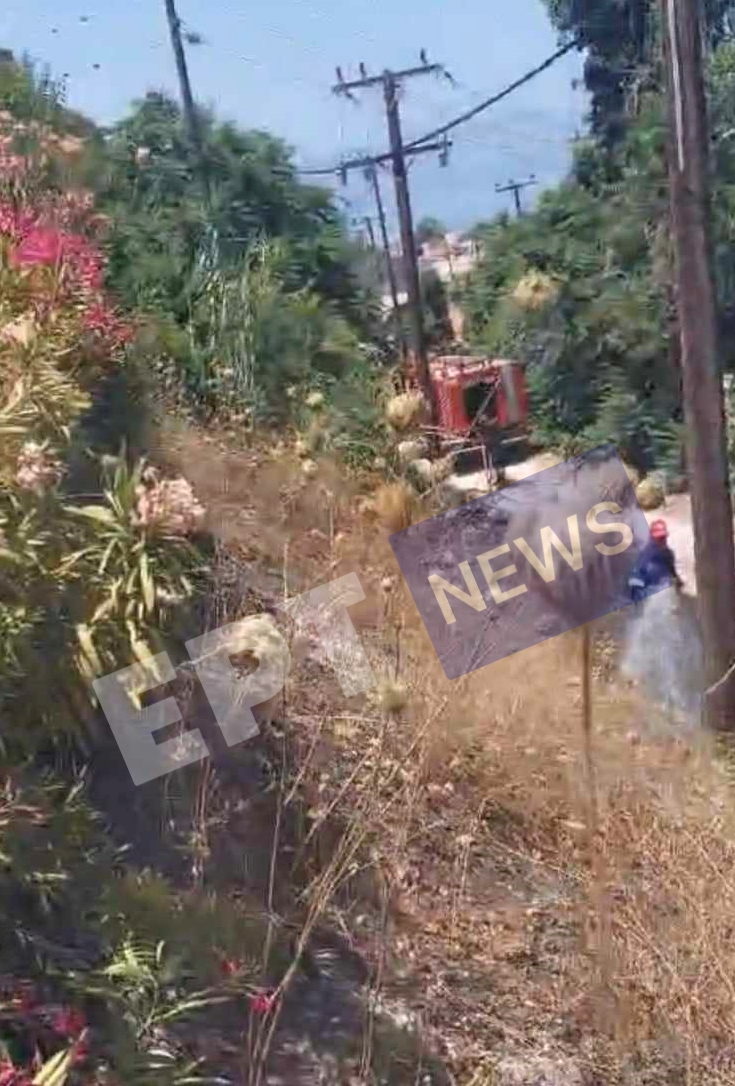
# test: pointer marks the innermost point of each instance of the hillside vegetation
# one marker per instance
(581, 288)
(431, 882)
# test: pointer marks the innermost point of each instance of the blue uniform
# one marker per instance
(655, 567)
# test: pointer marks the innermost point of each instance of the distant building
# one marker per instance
(451, 257)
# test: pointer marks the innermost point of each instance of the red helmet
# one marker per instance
(659, 529)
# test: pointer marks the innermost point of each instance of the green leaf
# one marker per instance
(146, 584)
(56, 1070)
(106, 556)
(89, 651)
(100, 513)
(141, 649)
(103, 610)
(194, 1003)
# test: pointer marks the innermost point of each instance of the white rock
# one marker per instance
(537, 1071)
(411, 449)
(420, 469)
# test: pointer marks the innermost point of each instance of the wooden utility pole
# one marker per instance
(366, 222)
(515, 187)
(368, 165)
(371, 174)
(408, 239)
(370, 232)
(704, 407)
(191, 117)
(390, 82)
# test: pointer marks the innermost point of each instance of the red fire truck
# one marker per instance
(481, 403)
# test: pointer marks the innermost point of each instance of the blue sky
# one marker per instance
(270, 66)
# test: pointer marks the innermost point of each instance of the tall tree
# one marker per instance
(160, 217)
(621, 39)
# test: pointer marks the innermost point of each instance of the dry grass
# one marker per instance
(501, 919)
(395, 505)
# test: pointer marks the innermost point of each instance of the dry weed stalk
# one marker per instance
(661, 958)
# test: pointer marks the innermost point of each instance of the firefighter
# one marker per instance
(656, 564)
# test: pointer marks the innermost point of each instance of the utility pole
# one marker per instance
(390, 81)
(371, 233)
(408, 240)
(368, 166)
(515, 187)
(366, 222)
(704, 407)
(371, 174)
(191, 116)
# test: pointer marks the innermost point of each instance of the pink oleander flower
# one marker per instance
(8, 219)
(47, 235)
(40, 245)
(14, 222)
(230, 967)
(10, 1075)
(68, 1022)
(12, 165)
(167, 506)
(102, 320)
(37, 469)
(71, 146)
(262, 1002)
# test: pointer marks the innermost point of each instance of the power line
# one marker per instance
(463, 117)
(515, 187)
(470, 113)
(389, 81)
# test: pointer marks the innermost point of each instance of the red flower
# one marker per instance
(68, 1022)
(262, 1002)
(102, 320)
(229, 967)
(82, 262)
(82, 1048)
(8, 1073)
(16, 223)
(98, 318)
(39, 246)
